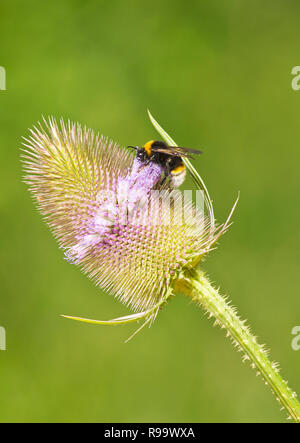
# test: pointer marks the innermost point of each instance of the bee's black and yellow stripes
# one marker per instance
(148, 147)
(179, 169)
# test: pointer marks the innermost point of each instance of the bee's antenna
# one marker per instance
(132, 147)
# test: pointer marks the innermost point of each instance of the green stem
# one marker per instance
(197, 286)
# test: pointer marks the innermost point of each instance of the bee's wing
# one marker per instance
(176, 151)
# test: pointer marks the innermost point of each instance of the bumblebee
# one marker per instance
(170, 158)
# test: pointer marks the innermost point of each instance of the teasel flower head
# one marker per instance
(131, 234)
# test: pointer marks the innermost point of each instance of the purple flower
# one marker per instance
(101, 205)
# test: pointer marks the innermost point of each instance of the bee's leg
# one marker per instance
(167, 173)
(167, 169)
(163, 180)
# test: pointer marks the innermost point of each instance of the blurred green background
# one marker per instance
(217, 76)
